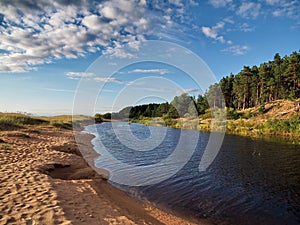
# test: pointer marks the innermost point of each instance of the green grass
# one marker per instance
(68, 121)
(289, 128)
(272, 127)
(15, 121)
(61, 122)
(286, 127)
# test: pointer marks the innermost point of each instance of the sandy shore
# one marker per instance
(45, 180)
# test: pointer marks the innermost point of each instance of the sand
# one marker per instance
(45, 180)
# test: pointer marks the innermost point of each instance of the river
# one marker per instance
(249, 182)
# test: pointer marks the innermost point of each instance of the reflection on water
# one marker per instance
(250, 181)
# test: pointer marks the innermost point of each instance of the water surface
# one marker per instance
(249, 182)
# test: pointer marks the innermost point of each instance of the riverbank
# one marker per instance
(278, 119)
(45, 180)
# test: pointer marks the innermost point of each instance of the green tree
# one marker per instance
(214, 96)
(254, 87)
(192, 110)
(264, 74)
(173, 113)
(293, 74)
(98, 118)
(162, 109)
(201, 104)
(277, 75)
(182, 103)
(226, 84)
(106, 116)
(277, 79)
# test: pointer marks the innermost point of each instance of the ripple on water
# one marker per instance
(250, 181)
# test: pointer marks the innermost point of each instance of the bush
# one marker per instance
(262, 109)
(232, 114)
(291, 125)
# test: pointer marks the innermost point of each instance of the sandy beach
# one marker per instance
(45, 180)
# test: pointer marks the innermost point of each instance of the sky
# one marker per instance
(88, 56)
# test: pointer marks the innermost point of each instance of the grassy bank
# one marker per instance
(15, 121)
(278, 118)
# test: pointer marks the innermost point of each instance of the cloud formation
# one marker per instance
(253, 9)
(35, 32)
(159, 71)
(39, 32)
(107, 80)
(286, 8)
(249, 9)
(212, 32)
(219, 3)
(59, 90)
(80, 74)
(188, 90)
(87, 76)
(237, 49)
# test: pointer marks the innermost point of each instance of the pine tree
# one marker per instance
(293, 74)
(277, 75)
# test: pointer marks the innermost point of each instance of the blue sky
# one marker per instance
(50, 49)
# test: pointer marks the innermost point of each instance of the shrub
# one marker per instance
(262, 109)
(232, 114)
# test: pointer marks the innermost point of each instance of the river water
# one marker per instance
(249, 182)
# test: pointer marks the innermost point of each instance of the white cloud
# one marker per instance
(209, 32)
(176, 2)
(187, 90)
(80, 74)
(249, 9)
(278, 13)
(245, 27)
(120, 50)
(59, 90)
(93, 23)
(135, 83)
(107, 80)
(168, 90)
(154, 89)
(44, 31)
(272, 2)
(193, 3)
(237, 49)
(109, 12)
(285, 8)
(219, 3)
(160, 71)
(212, 32)
(228, 20)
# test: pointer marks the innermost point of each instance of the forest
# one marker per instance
(252, 86)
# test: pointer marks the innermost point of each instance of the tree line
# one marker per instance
(257, 85)
(181, 106)
(252, 86)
